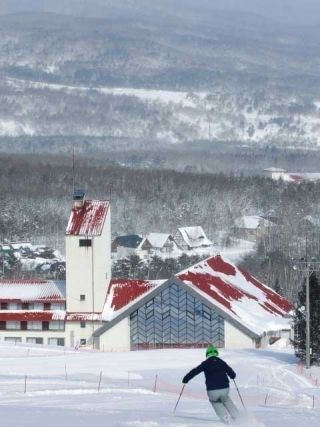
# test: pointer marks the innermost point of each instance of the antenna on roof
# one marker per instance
(110, 193)
(73, 179)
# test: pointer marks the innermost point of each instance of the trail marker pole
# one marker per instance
(100, 378)
(65, 372)
(155, 384)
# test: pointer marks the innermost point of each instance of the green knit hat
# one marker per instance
(212, 351)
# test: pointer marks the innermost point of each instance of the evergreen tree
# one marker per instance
(300, 322)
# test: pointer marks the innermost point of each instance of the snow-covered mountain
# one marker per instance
(157, 73)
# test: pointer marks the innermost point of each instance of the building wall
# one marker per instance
(23, 335)
(180, 241)
(74, 333)
(116, 338)
(88, 271)
(234, 338)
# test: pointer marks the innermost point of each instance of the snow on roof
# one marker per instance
(80, 317)
(194, 236)
(32, 290)
(297, 176)
(234, 291)
(315, 221)
(251, 222)
(20, 245)
(34, 315)
(250, 302)
(273, 169)
(123, 292)
(157, 240)
(31, 316)
(88, 219)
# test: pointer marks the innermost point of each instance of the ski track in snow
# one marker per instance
(62, 387)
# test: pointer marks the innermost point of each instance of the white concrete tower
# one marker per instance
(88, 255)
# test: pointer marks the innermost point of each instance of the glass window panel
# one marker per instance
(175, 317)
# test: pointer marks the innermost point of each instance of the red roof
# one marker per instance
(21, 315)
(226, 283)
(232, 290)
(80, 317)
(44, 316)
(88, 219)
(124, 291)
(296, 177)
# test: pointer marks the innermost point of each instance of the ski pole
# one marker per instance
(239, 394)
(179, 397)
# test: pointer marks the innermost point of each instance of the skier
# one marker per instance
(216, 372)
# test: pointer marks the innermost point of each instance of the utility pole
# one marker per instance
(308, 317)
(307, 267)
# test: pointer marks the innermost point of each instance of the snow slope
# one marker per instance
(62, 388)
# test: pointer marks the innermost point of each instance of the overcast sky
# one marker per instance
(292, 11)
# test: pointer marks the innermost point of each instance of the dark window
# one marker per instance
(39, 340)
(83, 341)
(60, 341)
(85, 243)
(45, 326)
(2, 326)
(24, 326)
(4, 306)
(25, 306)
(46, 306)
(82, 324)
(82, 297)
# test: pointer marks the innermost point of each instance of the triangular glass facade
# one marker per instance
(175, 318)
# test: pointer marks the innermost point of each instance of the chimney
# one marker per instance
(78, 198)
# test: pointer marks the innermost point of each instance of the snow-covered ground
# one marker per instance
(62, 388)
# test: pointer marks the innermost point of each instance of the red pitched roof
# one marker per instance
(124, 291)
(88, 219)
(230, 289)
(217, 278)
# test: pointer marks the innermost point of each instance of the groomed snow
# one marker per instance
(62, 388)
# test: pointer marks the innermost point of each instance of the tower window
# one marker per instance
(83, 341)
(85, 243)
(82, 297)
(82, 324)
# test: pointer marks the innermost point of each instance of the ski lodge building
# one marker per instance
(211, 302)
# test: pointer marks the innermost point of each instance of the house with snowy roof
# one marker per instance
(211, 302)
(124, 246)
(156, 243)
(252, 227)
(189, 238)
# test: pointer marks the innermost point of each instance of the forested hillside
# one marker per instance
(36, 197)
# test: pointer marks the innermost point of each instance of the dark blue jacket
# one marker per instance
(216, 372)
